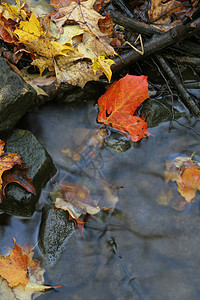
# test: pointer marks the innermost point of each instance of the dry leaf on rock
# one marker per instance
(119, 104)
(10, 171)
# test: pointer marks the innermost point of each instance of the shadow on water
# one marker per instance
(141, 250)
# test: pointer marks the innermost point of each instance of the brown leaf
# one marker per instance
(18, 175)
(9, 164)
(75, 199)
(161, 11)
(106, 24)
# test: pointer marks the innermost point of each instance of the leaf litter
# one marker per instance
(20, 275)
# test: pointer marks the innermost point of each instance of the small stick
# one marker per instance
(185, 97)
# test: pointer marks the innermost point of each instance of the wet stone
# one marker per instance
(159, 111)
(16, 97)
(55, 229)
(18, 201)
(118, 142)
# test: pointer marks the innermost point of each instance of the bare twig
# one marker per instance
(158, 43)
(185, 97)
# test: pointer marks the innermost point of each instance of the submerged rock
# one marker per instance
(55, 228)
(15, 97)
(18, 201)
(118, 142)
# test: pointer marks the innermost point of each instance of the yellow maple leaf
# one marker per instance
(104, 64)
(31, 34)
(15, 12)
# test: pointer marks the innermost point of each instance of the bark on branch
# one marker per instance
(158, 43)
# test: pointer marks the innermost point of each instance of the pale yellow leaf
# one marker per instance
(82, 13)
(76, 74)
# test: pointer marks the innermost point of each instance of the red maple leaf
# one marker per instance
(119, 104)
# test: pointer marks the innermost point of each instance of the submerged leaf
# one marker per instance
(186, 173)
(75, 199)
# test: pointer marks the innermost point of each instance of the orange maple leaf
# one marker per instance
(186, 173)
(14, 268)
(189, 183)
(10, 171)
(119, 104)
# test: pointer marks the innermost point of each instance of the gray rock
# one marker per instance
(18, 201)
(15, 97)
(54, 231)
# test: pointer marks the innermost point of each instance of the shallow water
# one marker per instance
(141, 250)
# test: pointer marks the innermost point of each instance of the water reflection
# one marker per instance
(141, 250)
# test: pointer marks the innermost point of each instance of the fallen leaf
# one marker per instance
(69, 32)
(90, 144)
(15, 12)
(100, 4)
(31, 34)
(10, 171)
(189, 183)
(21, 276)
(186, 173)
(106, 24)
(92, 47)
(75, 199)
(14, 268)
(18, 175)
(76, 74)
(161, 12)
(7, 28)
(104, 64)
(119, 104)
(82, 13)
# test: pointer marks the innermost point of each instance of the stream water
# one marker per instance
(145, 248)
